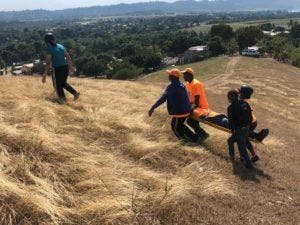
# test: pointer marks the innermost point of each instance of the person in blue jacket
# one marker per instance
(178, 105)
(57, 55)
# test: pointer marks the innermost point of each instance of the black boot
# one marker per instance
(262, 134)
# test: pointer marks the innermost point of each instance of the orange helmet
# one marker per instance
(174, 72)
(189, 70)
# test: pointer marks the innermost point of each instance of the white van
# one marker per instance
(251, 52)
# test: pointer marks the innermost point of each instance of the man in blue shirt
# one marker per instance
(178, 105)
(62, 65)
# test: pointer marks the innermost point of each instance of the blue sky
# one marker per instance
(8, 5)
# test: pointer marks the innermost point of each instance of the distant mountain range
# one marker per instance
(159, 7)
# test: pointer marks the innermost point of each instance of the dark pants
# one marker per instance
(252, 133)
(59, 78)
(240, 136)
(195, 125)
(181, 130)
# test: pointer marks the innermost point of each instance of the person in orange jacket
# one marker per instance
(198, 100)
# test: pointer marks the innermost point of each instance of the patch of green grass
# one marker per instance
(204, 70)
(205, 28)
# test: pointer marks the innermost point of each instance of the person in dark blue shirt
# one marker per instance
(239, 118)
(178, 105)
(62, 64)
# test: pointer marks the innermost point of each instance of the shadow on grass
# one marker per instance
(51, 99)
(238, 167)
(249, 174)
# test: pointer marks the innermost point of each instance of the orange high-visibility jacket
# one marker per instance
(197, 88)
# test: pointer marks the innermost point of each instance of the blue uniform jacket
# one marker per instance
(177, 99)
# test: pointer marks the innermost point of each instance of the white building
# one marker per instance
(253, 48)
(17, 72)
(169, 61)
(200, 48)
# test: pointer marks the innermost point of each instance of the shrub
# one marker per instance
(126, 71)
(295, 57)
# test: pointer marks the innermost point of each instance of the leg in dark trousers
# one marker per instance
(260, 136)
(195, 125)
(249, 146)
(242, 139)
(60, 79)
(231, 142)
(181, 130)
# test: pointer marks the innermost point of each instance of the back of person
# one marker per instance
(177, 99)
(57, 51)
(239, 114)
(196, 88)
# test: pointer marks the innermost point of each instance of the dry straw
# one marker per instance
(100, 160)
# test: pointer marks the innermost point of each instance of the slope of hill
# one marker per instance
(152, 7)
(206, 70)
(101, 160)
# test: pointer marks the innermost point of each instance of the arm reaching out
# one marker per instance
(159, 102)
(47, 68)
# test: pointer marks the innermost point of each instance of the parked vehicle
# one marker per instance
(251, 53)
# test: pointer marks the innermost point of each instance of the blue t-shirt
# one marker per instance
(58, 55)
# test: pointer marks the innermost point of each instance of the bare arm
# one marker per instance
(70, 62)
(47, 68)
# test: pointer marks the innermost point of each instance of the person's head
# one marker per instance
(233, 95)
(188, 74)
(245, 92)
(174, 74)
(49, 39)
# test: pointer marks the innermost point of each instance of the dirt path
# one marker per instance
(229, 72)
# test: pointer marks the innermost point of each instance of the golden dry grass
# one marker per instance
(100, 160)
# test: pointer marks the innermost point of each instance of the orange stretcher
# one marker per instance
(220, 122)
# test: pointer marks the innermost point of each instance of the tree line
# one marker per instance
(125, 48)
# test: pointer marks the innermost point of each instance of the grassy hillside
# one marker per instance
(101, 160)
(205, 70)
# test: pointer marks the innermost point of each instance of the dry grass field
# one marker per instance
(102, 160)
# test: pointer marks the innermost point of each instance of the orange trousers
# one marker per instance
(199, 113)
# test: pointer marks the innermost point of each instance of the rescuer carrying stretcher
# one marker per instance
(188, 103)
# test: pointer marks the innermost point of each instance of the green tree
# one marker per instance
(126, 71)
(89, 65)
(222, 30)
(2, 63)
(267, 26)
(232, 47)
(281, 48)
(248, 36)
(295, 30)
(216, 46)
